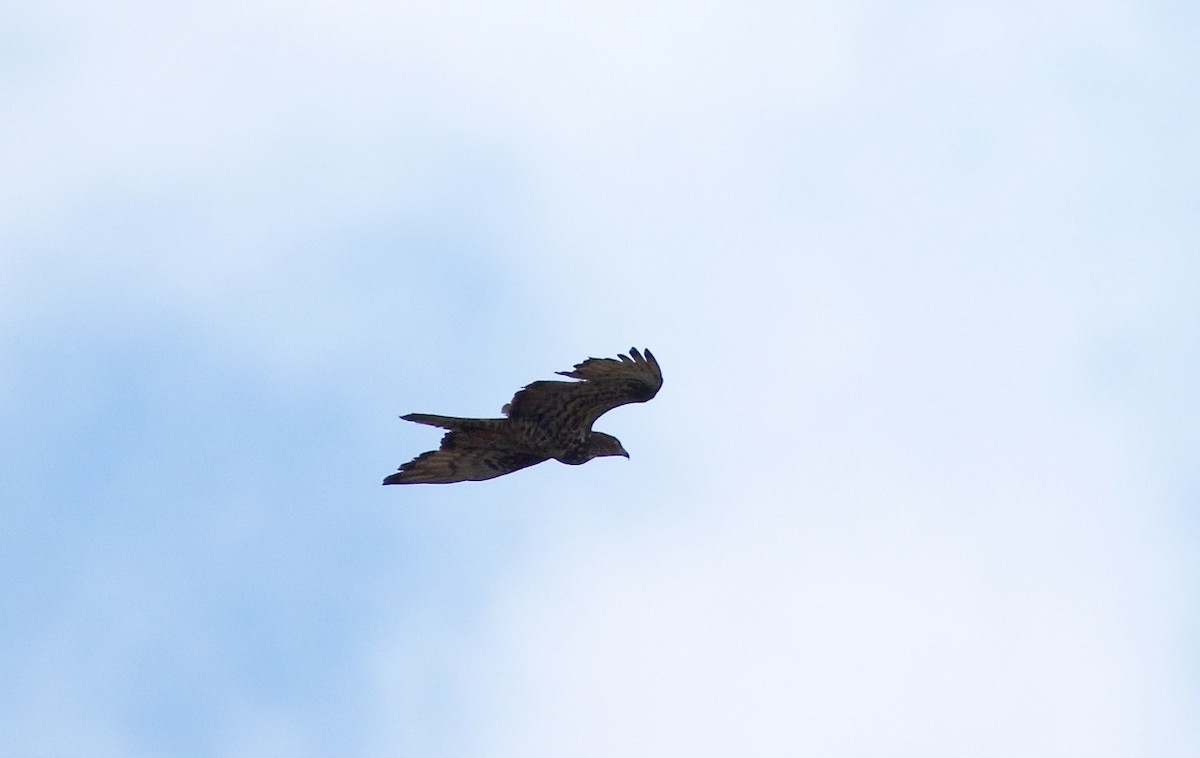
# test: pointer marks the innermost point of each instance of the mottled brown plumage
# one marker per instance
(546, 419)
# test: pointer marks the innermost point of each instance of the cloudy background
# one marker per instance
(922, 481)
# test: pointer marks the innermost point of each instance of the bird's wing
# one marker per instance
(606, 383)
(465, 455)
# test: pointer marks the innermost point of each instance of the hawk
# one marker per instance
(546, 419)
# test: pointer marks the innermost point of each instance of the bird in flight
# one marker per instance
(546, 419)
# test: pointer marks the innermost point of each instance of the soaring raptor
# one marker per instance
(547, 419)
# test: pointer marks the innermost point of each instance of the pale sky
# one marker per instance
(924, 281)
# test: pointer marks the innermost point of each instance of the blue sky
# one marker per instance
(921, 480)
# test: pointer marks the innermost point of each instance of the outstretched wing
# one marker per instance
(606, 383)
(465, 455)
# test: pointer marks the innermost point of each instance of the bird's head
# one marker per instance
(600, 444)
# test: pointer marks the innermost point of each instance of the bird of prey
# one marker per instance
(546, 419)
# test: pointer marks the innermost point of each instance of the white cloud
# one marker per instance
(856, 616)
